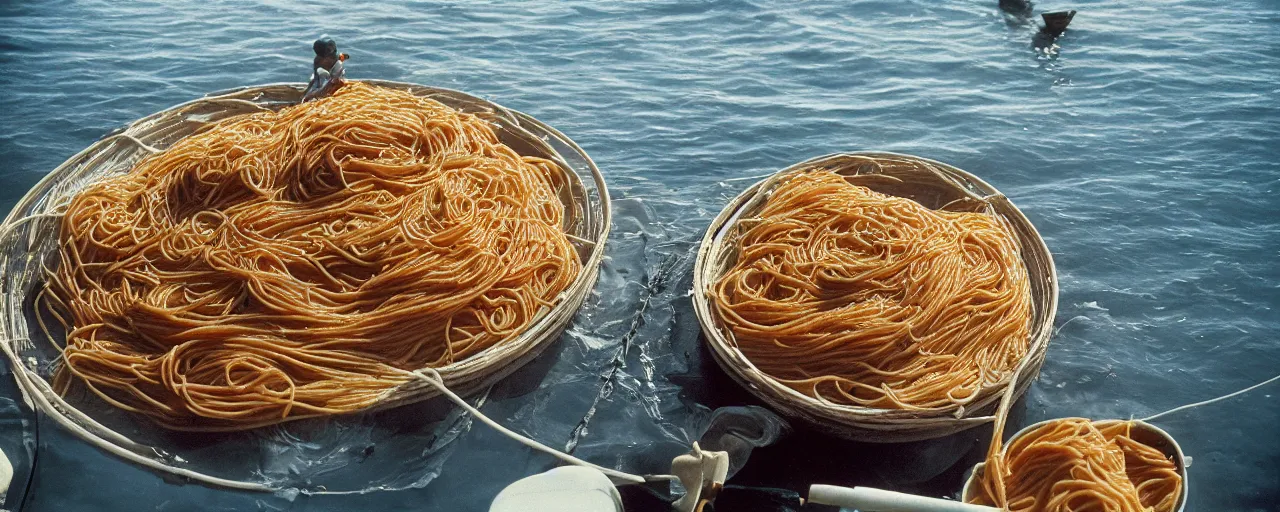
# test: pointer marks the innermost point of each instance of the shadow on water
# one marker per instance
(935, 467)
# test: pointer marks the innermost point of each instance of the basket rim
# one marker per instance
(847, 419)
(499, 360)
(1180, 459)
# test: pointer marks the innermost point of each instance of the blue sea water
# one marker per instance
(1144, 146)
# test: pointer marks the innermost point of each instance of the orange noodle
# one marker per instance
(857, 297)
(300, 263)
(1074, 464)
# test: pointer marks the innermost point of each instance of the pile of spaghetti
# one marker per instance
(299, 263)
(1074, 464)
(857, 297)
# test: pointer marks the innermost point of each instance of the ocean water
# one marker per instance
(1143, 146)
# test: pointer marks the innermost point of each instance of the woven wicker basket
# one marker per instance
(29, 233)
(1142, 432)
(933, 184)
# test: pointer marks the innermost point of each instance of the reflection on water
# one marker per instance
(1142, 147)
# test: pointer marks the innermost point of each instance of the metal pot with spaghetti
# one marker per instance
(248, 259)
(1069, 464)
(879, 297)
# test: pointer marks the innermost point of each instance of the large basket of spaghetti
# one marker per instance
(245, 259)
(879, 297)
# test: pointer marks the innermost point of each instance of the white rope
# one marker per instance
(432, 377)
(146, 147)
(745, 178)
(6, 229)
(1219, 399)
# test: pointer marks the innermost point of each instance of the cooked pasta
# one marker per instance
(857, 297)
(298, 263)
(1074, 464)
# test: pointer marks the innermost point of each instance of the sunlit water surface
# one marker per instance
(1143, 147)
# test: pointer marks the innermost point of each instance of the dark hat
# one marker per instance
(325, 46)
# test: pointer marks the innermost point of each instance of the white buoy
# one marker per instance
(6, 474)
(563, 489)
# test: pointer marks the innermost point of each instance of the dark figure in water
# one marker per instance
(1019, 8)
(327, 70)
(1055, 23)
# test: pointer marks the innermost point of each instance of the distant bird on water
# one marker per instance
(1055, 23)
(1020, 8)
